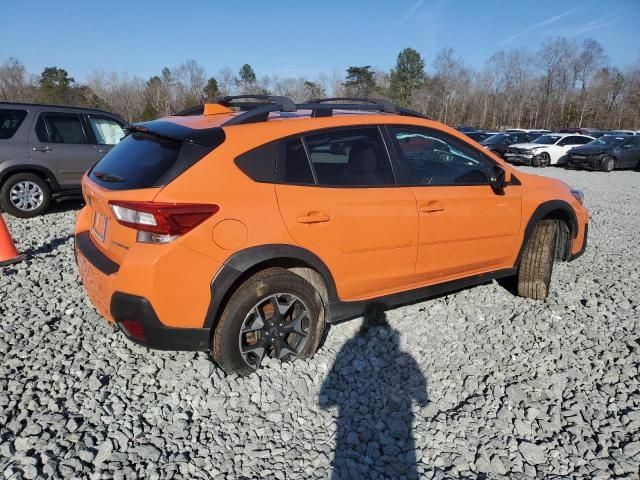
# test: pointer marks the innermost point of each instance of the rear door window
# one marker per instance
(10, 121)
(349, 157)
(106, 131)
(295, 164)
(144, 160)
(64, 128)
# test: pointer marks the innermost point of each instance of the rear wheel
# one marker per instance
(25, 195)
(608, 163)
(536, 264)
(275, 313)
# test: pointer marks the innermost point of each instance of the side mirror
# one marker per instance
(500, 178)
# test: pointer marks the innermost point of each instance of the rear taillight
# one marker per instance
(160, 222)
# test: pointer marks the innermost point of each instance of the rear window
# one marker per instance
(144, 160)
(10, 121)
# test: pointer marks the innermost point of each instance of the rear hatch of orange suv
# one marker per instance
(120, 212)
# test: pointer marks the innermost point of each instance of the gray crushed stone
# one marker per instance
(476, 383)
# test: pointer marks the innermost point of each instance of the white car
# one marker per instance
(548, 149)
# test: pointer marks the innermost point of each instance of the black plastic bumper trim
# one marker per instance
(94, 256)
(345, 310)
(158, 336)
(584, 244)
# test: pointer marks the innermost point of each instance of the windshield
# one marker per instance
(607, 140)
(500, 137)
(547, 139)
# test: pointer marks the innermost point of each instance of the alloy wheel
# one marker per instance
(26, 195)
(277, 326)
(609, 164)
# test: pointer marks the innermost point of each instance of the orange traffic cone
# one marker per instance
(8, 252)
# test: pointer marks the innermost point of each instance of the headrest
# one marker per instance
(362, 158)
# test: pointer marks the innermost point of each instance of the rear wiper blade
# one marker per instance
(107, 177)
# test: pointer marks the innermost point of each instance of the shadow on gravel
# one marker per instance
(374, 384)
(48, 247)
(66, 206)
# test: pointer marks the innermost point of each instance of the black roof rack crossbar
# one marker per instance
(275, 102)
(259, 114)
(285, 103)
(385, 104)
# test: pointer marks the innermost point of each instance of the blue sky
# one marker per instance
(291, 38)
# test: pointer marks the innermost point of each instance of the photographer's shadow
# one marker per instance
(374, 384)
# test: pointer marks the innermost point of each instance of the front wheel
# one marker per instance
(25, 195)
(608, 163)
(275, 313)
(542, 160)
(536, 264)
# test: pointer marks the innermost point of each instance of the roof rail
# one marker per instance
(258, 111)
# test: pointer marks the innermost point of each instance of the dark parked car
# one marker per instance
(499, 143)
(478, 136)
(45, 150)
(592, 132)
(465, 128)
(606, 153)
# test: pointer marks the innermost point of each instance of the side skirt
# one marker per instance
(340, 311)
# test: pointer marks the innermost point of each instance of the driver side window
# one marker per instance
(430, 157)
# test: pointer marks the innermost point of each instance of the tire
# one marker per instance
(608, 163)
(542, 160)
(496, 153)
(25, 195)
(278, 335)
(536, 264)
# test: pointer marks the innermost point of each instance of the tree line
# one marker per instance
(562, 83)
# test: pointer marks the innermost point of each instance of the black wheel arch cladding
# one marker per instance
(237, 267)
(551, 210)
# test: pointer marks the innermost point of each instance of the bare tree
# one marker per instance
(14, 85)
(562, 83)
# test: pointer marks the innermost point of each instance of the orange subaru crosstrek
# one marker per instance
(244, 227)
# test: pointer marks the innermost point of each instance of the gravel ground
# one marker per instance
(470, 385)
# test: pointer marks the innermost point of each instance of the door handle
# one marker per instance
(432, 207)
(41, 148)
(314, 217)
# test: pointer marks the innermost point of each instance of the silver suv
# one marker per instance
(45, 150)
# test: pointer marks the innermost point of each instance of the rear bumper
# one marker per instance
(133, 314)
(131, 308)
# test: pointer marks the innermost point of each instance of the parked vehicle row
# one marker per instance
(573, 147)
(548, 149)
